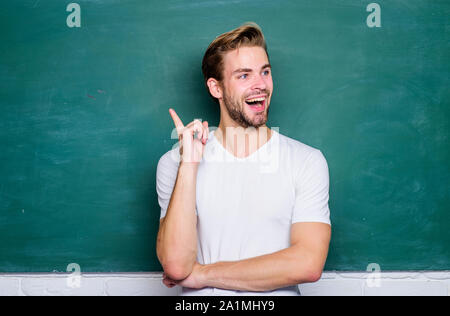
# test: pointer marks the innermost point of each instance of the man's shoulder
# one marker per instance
(305, 160)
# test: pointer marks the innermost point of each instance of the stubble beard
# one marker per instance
(237, 113)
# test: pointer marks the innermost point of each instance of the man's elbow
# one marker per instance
(308, 275)
(314, 275)
(175, 267)
(177, 271)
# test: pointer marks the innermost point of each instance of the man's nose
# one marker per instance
(259, 83)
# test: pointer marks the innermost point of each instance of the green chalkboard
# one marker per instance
(84, 119)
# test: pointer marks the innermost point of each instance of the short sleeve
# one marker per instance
(312, 191)
(166, 175)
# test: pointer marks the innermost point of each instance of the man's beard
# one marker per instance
(237, 113)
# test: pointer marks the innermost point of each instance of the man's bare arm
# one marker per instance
(302, 262)
(176, 245)
(177, 236)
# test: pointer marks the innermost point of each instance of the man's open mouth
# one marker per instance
(256, 103)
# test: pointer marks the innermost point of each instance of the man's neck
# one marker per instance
(240, 141)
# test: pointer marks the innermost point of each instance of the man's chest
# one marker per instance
(231, 193)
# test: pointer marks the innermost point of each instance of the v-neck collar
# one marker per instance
(249, 157)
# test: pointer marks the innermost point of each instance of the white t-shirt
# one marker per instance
(246, 206)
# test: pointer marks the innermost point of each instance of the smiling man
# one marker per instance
(229, 225)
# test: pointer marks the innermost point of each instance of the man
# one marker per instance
(244, 209)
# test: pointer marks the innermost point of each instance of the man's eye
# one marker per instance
(266, 72)
(243, 76)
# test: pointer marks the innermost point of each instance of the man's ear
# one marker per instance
(214, 88)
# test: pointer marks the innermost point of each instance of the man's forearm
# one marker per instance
(287, 267)
(177, 237)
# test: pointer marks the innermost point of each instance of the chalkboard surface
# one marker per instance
(84, 119)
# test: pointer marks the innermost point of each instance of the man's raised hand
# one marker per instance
(191, 149)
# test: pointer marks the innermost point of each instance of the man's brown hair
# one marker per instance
(247, 35)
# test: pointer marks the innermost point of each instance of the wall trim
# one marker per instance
(334, 283)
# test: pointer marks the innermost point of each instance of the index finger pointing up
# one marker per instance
(176, 120)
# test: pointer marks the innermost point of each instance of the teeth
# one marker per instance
(256, 100)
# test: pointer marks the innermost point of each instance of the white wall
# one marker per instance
(331, 283)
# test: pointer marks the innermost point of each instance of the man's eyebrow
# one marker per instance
(242, 70)
(249, 69)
